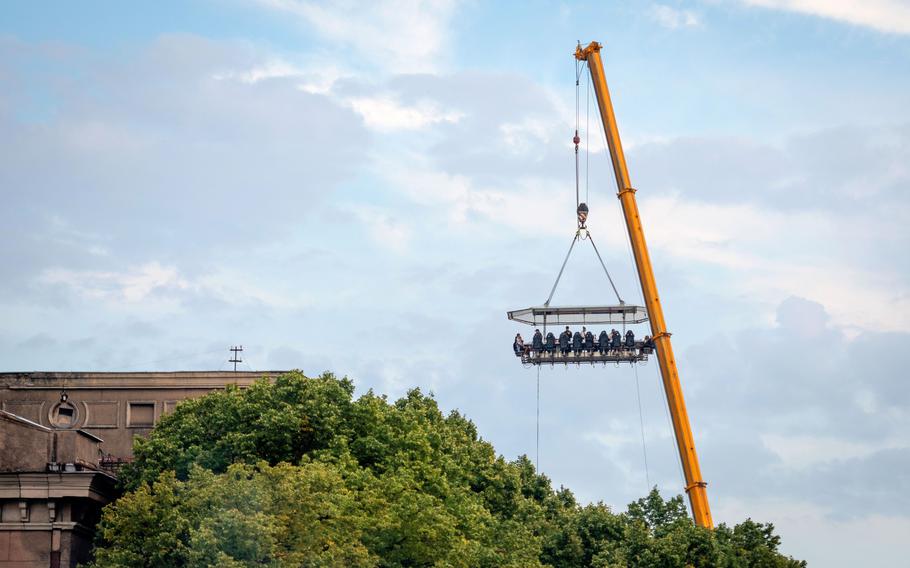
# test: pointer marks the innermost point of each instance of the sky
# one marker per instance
(367, 188)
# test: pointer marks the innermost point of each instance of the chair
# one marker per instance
(551, 343)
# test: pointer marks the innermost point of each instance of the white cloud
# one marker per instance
(811, 534)
(400, 36)
(527, 204)
(164, 287)
(747, 242)
(130, 286)
(316, 76)
(385, 230)
(801, 452)
(672, 18)
(765, 253)
(527, 135)
(891, 16)
(385, 113)
(619, 444)
(760, 250)
(267, 70)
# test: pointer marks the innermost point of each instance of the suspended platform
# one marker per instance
(556, 317)
(543, 316)
(555, 356)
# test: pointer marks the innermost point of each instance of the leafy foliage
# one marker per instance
(298, 473)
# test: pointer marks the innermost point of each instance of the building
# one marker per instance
(62, 437)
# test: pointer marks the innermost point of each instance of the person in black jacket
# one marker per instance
(537, 342)
(603, 342)
(576, 343)
(615, 340)
(565, 341)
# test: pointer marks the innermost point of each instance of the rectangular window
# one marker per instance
(141, 414)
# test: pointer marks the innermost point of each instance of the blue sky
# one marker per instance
(367, 188)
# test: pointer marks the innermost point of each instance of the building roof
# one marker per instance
(75, 380)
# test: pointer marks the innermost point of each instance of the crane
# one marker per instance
(685, 441)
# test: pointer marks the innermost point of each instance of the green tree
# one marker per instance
(296, 472)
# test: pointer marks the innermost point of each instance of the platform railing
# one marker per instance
(638, 352)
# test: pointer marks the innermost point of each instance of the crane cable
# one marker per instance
(587, 133)
(537, 449)
(641, 422)
(579, 68)
(588, 87)
(576, 139)
(677, 459)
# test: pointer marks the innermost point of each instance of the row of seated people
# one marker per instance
(581, 342)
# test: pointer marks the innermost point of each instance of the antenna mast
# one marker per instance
(235, 356)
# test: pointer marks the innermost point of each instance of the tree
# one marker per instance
(296, 472)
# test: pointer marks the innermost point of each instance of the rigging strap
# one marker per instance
(607, 272)
(563, 267)
(566, 260)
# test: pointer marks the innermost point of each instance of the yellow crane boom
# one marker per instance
(695, 485)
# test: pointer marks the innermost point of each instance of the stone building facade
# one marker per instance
(62, 436)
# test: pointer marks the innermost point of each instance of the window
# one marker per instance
(141, 414)
(63, 415)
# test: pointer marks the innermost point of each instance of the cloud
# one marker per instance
(802, 412)
(285, 357)
(746, 240)
(805, 452)
(316, 75)
(524, 204)
(890, 16)
(832, 168)
(746, 228)
(175, 153)
(400, 36)
(819, 214)
(385, 230)
(525, 136)
(384, 113)
(809, 532)
(129, 286)
(38, 342)
(672, 18)
(497, 138)
(739, 217)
